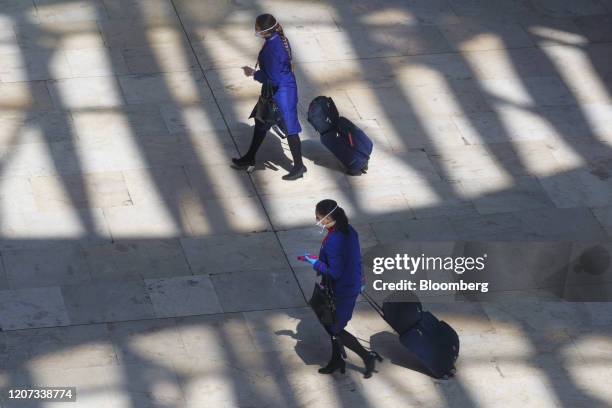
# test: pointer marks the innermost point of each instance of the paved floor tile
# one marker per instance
(604, 216)
(578, 189)
(29, 268)
(33, 65)
(148, 341)
(178, 87)
(96, 190)
(465, 36)
(107, 302)
(140, 267)
(433, 229)
(225, 216)
(233, 253)
(61, 347)
(183, 296)
(135, 260)
(554, 225)
(33, 307)
(93, 92)
(19, 95)
(524, 193)
(245, 291)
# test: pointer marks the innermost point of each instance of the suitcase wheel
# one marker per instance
(451, 373)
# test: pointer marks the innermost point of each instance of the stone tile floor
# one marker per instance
(137, 266)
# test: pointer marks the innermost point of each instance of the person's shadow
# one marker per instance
(312, 341)
(313, 344)
(274, 153)
(314, 348)
(389, 346)
(314, 151)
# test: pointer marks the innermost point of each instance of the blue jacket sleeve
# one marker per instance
(260, 76)
(271, 61)
(335, 260)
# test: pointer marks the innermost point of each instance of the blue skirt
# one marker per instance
(344, 313)
(286, 98)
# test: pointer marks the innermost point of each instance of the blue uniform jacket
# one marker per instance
(340, 259)
(275, 66)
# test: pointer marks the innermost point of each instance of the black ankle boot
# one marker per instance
(370, 363)
(336, 361)
(295, 173)
(244, 163)
(333, 366)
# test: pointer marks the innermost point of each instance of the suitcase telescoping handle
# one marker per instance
(373, 303)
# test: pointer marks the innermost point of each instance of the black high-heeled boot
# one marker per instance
(244, 163)
(298, 170)
(247, 162)
(295, 173)
(370, 363)
(336, 362)
(369, 357)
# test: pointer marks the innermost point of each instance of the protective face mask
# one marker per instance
(320, 222)
(261, 33)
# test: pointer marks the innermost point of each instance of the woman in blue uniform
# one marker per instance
(275, 65)
(340, 259)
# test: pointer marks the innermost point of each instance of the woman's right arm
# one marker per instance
(273, 64)
(260, 76)
(264, 61)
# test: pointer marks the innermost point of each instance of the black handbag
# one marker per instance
(266, 109)
(322, 303)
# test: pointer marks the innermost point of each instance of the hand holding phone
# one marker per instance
(304, 258)
(248, 71)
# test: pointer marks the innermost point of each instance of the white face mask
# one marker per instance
(320, 222)
(261, 34)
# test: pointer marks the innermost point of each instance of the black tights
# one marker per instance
(350, 341)
(259, 133)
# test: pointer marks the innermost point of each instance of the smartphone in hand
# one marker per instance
(303, 258)
(248, 71)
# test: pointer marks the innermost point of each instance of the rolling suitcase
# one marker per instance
(323, 114)
(340, 136)
(402, 316)
(433, 342)
(350, 145)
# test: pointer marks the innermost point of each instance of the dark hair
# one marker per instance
(325, 207)
(267, 21)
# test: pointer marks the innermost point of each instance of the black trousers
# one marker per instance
(349, 341)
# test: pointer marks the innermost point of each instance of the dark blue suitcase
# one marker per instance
(434, 343)
(323, 114)
(350, 145)
(403, 313)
